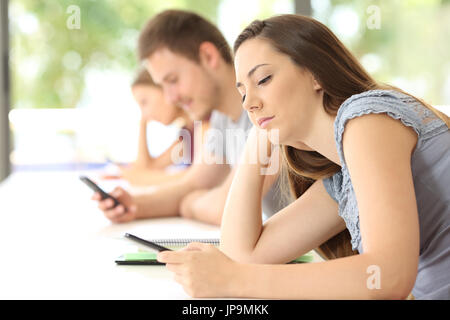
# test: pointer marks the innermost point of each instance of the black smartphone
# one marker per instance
(104, 195)
(146, 243)
(123, 260)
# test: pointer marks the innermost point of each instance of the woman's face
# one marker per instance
(153, 105)
(277, 93)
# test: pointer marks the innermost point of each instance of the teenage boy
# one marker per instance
(190, 59)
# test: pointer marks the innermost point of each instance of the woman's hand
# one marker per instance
(262, 148)
(202, 270)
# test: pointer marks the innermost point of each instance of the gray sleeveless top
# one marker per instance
(430, 164)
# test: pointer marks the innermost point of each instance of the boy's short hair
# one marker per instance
(181, 32)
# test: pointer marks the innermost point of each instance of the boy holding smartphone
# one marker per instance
(190, 59)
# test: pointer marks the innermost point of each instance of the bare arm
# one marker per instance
(378, 154)
(149, 177)
(148, 170)
(144, 160)
(166, 198)
(208, 205)
(307, 222)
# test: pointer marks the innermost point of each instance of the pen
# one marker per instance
(147, 243)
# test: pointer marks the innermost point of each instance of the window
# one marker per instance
(400, 42)
(72, 63)
(71, 69)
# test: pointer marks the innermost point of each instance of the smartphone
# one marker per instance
(104, 195)
(146, 243)
(139, 259)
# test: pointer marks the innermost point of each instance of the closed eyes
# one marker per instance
(263, 81)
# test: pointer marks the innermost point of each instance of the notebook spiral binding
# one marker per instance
(184, 242)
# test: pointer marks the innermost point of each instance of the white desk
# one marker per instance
(56, 244)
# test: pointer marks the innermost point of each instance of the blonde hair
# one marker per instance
(143, 78)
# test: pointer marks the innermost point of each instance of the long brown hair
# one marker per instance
(311, 45)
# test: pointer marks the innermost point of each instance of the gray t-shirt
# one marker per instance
(430, 164)
(226, 140)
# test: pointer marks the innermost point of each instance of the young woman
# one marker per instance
(147, 169)
(367, 163)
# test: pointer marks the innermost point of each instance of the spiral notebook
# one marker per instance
(143, 257)
(177, 243)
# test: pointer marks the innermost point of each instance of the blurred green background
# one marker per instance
(55, 67)
(49, 61)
